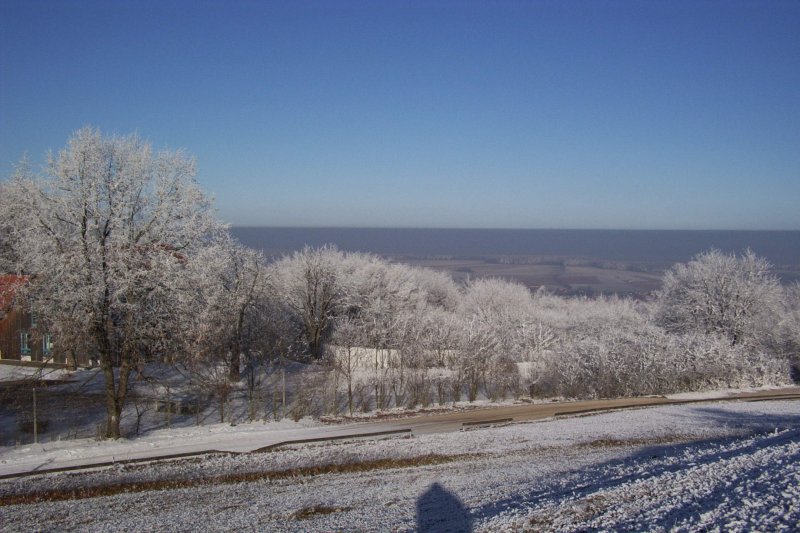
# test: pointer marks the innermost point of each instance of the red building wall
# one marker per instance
(12, 325)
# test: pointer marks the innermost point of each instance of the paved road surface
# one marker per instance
(250, 437)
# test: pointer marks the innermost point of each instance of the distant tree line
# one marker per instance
(128, 262)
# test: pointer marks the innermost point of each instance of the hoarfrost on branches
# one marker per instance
(737, 297)
(107, 232)
(128, 264)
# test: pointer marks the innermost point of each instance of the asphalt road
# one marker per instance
(441, 423)
(248, 441)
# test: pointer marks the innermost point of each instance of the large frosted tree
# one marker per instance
(106, 233)
(717, 293)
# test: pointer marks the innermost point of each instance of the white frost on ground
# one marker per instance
(712, 467)
(14, 372)
(59, 454)
(719, 393)
(749, 484)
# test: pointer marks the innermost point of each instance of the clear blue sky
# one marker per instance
(548, 114)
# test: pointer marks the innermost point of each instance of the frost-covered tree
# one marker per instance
(347, 342)
(789, 327)
(229, 282)
(736, 297)
(495, 318)
(309, 285)
(107, 232)
(438, 288)
(441, 332)
(8, 258)
(383, 296)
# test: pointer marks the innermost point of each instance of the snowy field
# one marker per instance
(724, 466)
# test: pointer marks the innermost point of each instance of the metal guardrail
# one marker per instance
(264, 449)
(335, 437)
(114, 463)
(486, 422)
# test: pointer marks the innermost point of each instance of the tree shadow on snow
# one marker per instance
(439, 510)
(658, 461)
(746, 421)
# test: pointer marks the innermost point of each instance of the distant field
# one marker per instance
(560, 278)
(629, 262)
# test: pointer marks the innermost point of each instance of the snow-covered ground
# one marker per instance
(724, 466)
(10, 372)
(719, 393)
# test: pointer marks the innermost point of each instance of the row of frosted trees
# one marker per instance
(402, 336)
(127, 262)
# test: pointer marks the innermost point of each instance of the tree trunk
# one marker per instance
(116, 394)
(235, 362)
(113, 409)
(350, 395)
(315, 344)
(236, 349)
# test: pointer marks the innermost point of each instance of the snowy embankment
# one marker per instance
(735, 466)
(749, 484)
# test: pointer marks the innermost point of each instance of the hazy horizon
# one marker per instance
(663, 247)
(654, 229)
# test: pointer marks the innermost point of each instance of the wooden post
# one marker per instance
(169, 408)
(283, 386)
(35, 421)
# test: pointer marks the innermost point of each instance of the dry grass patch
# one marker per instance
(113, 489)
(617, 443)
(317, 510)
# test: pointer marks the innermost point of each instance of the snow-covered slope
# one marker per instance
(720, 466)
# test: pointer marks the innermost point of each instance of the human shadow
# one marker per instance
(439, 510)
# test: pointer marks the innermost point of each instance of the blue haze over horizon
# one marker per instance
(653, 247)
(474, 114)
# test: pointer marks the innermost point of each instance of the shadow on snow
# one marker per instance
(654, 461)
